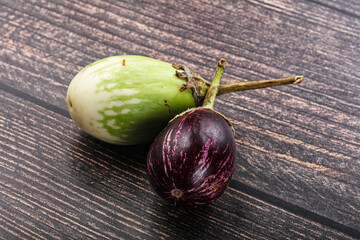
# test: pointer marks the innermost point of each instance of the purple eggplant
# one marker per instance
(191, 161)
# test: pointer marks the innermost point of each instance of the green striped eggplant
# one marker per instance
(128, 99)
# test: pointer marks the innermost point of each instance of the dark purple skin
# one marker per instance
(191, 161)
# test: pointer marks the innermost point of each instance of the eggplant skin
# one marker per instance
(191, 161)
(127, 99)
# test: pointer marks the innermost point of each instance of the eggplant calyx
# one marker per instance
(195, 82)
(227, 120)
(196, 108)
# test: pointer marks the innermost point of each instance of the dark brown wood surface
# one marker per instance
(297, 174)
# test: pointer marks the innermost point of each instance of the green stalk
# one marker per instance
(213, 89)
(242, 86)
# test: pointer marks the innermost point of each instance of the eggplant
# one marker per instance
(117, 98)
(191, 161)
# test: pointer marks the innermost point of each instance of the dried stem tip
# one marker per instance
(222, 63)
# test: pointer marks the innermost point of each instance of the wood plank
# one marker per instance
(326, 9)
(125, 34)
(54, 177)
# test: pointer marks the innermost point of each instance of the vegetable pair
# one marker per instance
(130, 99)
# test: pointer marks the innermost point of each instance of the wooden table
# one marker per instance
(297, 174)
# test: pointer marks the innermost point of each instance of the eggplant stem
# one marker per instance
(242, 86)
(213, 89)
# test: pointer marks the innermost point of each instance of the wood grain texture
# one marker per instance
(297, 172)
